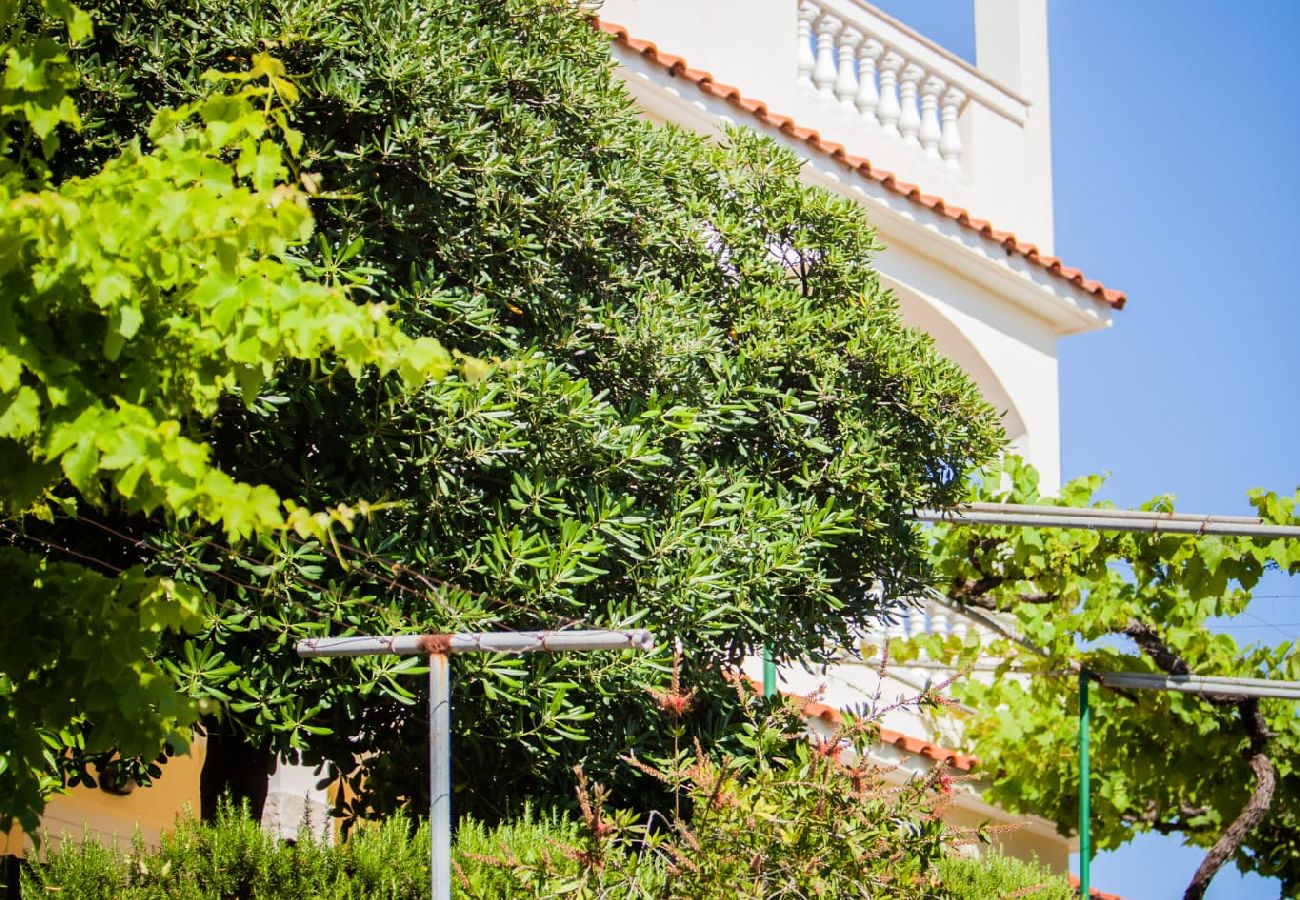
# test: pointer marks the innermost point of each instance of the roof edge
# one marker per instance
(677, 67)
(815, 709)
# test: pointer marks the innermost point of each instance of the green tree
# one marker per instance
(1221, 772)
(702, 415)
(133, 301)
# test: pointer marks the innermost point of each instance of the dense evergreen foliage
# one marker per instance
(700, 411)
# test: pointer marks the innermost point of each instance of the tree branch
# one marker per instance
(1256, 807)
(976, 593)
(1153, 645)
(1152, 818)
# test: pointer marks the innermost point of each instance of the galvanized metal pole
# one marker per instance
(477, 642)
(1011, 514)
(439, 648)
(440, 776)
(1205, 685)
(1085, 788)
(1145, 515)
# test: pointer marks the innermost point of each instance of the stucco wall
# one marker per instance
(112, 818)
(1006, 170)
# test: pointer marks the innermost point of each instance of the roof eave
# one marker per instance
(1028, 283)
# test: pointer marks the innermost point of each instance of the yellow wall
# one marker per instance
(1022, 843)
(110, 817)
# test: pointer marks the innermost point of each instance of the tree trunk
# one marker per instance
(13, 868)
(233, 768)
(1251, 814)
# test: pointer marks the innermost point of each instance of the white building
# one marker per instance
(953, 163)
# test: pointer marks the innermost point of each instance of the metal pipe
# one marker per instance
(552, 641)
(483, 642)
(1085, 787)
(875, 662)
(1187, 684)
(1084, 511)
(440, 777)
(1200, 684)
(769, 673)
(439, 647)
(1154, 522)
(362, 645)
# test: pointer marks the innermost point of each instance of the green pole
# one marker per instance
(1085, 778)
(769, 673)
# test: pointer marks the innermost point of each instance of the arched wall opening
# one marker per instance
(919, 312)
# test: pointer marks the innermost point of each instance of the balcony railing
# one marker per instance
(892, 79)
(929, 618)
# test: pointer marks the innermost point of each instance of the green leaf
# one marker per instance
(20, 413)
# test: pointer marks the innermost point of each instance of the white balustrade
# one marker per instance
(940, 623)
(807, 61)
(928, 618)
(930, 132)
(950, 134)
(909, 119)
(889, 108)
(824, 74)
(846, 84)
(884, 76)
(868, 94)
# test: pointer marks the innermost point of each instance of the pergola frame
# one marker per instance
(439, 648)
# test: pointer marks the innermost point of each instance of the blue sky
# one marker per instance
(1177, 179)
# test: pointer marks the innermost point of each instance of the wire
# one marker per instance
(1262, 625)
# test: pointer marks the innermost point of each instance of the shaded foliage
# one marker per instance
(702, 414)
(133, 300)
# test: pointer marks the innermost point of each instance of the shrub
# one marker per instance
(532, 855)
(993, 876)
(788, 819)
(233, 857)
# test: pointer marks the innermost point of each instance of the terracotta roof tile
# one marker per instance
(705, 82)
(813, 709)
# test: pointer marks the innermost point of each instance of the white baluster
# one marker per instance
(897, 630)
(824, 75)
(950, 139)
(889, 109)
(807, 61)
(939, 621)
(846, 85)
(930, 132)
(915, 622)
(868, 97)
(909, 119)
(960, 627)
